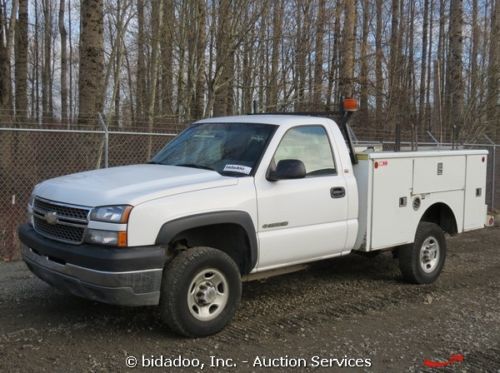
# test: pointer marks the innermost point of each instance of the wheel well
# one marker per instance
(442, 215)
(227, 237)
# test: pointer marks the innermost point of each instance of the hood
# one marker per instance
(129, 184)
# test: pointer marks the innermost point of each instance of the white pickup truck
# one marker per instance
(236, 198)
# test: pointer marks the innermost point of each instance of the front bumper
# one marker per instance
(123, 276)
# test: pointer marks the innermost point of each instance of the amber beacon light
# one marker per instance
(350, 104)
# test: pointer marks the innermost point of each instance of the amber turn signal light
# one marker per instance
(122, 239)
(126, 214)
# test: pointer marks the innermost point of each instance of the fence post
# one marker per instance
(493, 170)
(106, 138)
(493, 176)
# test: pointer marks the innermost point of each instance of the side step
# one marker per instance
(274, 272)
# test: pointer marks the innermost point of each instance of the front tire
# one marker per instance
(201, 291)
(422, 261)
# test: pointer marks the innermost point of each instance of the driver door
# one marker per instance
(302, 219)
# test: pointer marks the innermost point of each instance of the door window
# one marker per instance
(309, 144)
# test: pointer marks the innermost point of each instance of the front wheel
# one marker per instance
(201, 291)
(422, 261)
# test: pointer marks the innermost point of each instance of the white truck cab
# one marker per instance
(244, 197)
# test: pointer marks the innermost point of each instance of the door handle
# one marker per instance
(337, 192)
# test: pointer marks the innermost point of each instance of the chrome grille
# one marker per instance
(63, 211)
(69, 224)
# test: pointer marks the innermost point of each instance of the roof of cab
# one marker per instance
(275, 119)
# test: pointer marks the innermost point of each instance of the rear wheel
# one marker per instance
(422, 261)
(201, 291)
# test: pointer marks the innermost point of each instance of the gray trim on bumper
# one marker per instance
(133, 288)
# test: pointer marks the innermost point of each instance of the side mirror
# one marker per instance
(288, 169)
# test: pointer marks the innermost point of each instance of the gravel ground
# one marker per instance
(351, 307)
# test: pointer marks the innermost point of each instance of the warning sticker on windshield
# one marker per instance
(238, 168)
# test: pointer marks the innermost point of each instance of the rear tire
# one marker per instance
(422, 261)
(201, 290)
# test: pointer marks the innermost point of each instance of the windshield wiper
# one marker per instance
(192, 165)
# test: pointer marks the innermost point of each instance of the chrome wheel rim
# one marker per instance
(208, 294)
(429, 254)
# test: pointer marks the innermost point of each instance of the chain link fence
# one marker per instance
(34, 153)
(30, 155)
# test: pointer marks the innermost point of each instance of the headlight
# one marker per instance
(111, 214)
(112, 238)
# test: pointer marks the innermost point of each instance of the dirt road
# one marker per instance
(343, 309)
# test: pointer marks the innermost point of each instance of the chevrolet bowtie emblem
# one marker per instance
(51, 217)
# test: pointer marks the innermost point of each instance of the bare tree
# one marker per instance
(473, 76)
(248, 71)
(318, 66)
(166, 55)
(36, 66)
(263, 55)
(47, 100)
(423, 65)
(302, 51)
(117, 25)
(454, 79)
(6, 37)
(91, 76)
(223, 60)
(379, 56)
(394, 60)
(230, 34)
(272, 97)
(363, 75)
(156, 27)
(141, 89)
(8, 143)
(64, 63)
(348, 44)
(70, 34)
(441, 53)
(428, 109)
(182, 45)
(199, 88)
(334, 59)
(22, 62)
(493, 98)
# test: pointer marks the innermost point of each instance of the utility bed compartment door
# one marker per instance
(438, 174)
(392, 180)
(475, 190)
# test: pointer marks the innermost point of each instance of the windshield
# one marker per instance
(227, 148)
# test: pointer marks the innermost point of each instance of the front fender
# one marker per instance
(171, 229)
